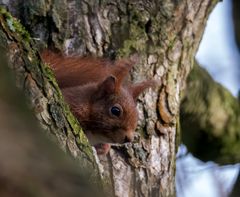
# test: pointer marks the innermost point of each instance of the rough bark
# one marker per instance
(210, 130)
(165, 35)
(31, 164)
(42, 92)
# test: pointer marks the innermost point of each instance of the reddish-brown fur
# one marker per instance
(74, 71)
(92, 87)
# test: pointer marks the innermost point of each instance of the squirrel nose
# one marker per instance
(128, 138)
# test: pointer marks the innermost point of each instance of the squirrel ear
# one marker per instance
(137, 88)
(108, 86)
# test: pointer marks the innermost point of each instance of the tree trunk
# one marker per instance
(236, 189)
(165, 35)
(32, 165)
(42, 91)
(236, 20)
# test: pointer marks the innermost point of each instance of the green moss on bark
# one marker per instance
(44, 79)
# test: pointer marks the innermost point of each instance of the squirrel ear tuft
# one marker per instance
(122, 69)
(108, 86)
(137, 88)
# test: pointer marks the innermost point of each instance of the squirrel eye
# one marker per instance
(116, 111)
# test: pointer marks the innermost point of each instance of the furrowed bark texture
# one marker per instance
(211, 130)
(43, 94)
(32, 165)
(165, 36)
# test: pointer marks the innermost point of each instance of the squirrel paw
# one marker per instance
(102, 149)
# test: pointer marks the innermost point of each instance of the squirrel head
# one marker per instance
(113, 114)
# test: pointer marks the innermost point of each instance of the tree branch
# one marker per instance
(210, 119)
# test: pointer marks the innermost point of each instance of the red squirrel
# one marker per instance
(100, 96)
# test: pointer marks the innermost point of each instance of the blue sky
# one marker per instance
(219, 54)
